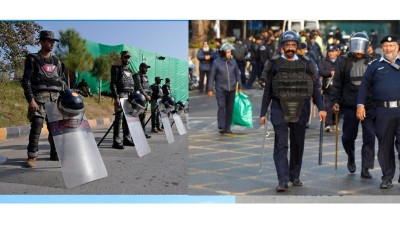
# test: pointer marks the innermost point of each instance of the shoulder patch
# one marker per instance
(372, 61)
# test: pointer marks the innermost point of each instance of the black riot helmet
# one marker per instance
(289, 35)
(168, 101)
(179, 107)
(359, 43)
(137, 99)
(224, 48)
(137, 103)
(70, 103)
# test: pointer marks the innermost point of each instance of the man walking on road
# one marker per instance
(290, 84)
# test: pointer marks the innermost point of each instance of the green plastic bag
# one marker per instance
(242, 111)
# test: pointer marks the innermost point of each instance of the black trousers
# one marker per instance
(203, 77)
(225, 100)
(387, 127)
(350, 131)
(285, 169)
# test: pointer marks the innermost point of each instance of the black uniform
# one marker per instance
(290, 84)
(346, 82)
(121, 86)
(157, 93)
(142, 85)
(325, 67)
(383, 79)
(42, 80)
(166, 89)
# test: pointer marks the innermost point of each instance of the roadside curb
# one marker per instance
(7, 133)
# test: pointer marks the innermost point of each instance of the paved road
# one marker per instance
(163, 171)
(229, 164)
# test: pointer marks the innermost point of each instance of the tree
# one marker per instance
(203, 30)
(74, 54)
(15, 37)
(102, 67)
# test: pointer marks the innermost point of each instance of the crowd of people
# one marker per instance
(346, 80)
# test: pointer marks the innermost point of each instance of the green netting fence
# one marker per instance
(176, 70)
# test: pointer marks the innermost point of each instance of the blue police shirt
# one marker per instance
(382, 79)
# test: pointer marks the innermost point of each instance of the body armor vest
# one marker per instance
(292, 86)
(47, 77)
(125, 81)
(357, 72)
(156, 91)
(145, 84)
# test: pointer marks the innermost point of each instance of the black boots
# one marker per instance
(365, 173)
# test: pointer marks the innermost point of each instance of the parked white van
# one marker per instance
(298, 25)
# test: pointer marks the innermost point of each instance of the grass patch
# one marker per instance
(14, 108)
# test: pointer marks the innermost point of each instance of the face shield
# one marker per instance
(358, 45)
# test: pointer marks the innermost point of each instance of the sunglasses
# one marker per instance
(127, 56)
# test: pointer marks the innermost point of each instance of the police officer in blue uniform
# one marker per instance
(382, 78)
(346, 83)
(291, 82)
(327, 72)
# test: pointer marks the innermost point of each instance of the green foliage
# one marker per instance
(102, 67)
(15, 37)
(73, 52)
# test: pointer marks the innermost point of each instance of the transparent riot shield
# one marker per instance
(76, 147)
(167, 127)
(135, 129)
(179, 124)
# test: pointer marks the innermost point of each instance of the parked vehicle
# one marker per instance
(298, 25)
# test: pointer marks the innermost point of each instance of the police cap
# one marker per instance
(46, 34)
(143, 65)
(125, 53)
(158, 78)
(332, 48)
(389, 38)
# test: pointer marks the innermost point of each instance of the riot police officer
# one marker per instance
(121, 86)
(42, 81)
(157, 93)
(382, 78)
(142, 85)
(346, 83)
(166, 88)
(291, 82)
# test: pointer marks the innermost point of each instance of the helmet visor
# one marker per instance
(358, 45)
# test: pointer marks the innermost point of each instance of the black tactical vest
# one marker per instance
(125, 79)
(46, 77)
(145, 83)
(357, 72)
(156, 91)
(292, 85)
